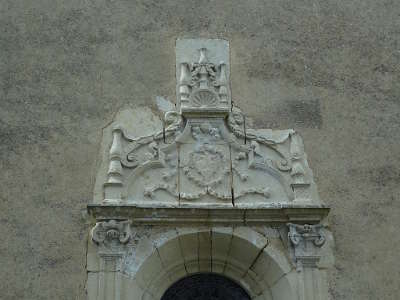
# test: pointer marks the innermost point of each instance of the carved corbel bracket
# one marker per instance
(111, 232)
(306, 240)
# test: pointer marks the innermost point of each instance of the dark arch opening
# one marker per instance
(205, 286)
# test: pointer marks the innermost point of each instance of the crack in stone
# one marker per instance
(229, 251)
(256, 258)
(180, 248)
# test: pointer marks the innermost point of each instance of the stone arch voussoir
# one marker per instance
(240, 254)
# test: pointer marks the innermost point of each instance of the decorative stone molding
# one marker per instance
(306, 239)
(220, 215)
(112, 231)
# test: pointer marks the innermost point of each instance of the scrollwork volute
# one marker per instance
(313, 233)
(306, 240)
(112, 231)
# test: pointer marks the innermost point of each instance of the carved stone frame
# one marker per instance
(206, 194)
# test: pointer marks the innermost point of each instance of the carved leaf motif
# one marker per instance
(173, 120)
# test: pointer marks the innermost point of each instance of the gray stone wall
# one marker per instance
(329, 69)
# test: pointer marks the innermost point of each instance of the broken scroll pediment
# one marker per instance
(204, 156)
(206, 161)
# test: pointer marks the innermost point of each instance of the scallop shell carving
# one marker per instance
(204, 98)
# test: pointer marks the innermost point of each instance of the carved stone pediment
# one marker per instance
(203, 160)
(204, 155)
(202, 191)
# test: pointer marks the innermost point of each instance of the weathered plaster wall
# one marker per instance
(330, 69)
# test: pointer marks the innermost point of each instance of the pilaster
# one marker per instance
(110, 237)
(306, 241)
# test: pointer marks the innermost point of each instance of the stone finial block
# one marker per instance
(202, 72)
(188, 50)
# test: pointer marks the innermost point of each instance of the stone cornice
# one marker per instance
(265, 215)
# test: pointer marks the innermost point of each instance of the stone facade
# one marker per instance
(329, 69)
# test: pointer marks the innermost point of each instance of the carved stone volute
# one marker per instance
(111, 232)
(306, 240)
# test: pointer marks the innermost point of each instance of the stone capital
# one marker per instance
(306, 240)
(111, 232)
(202, 69)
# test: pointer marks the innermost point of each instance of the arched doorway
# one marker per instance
(204, 194)
(205, 286)
(164, 257)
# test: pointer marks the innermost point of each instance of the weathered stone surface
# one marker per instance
(327, 68)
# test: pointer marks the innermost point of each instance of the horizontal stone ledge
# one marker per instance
(160, 215)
